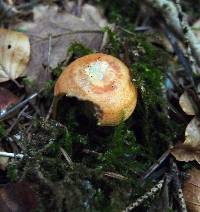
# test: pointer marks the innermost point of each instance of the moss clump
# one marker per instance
(58, 185)
(2, 129)
(153, 129)
(121, 12)
(77, 50)
(12, 172)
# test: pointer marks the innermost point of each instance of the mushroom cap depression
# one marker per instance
(103, 80)
(14, 54)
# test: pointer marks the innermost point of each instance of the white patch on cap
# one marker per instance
(96, 70)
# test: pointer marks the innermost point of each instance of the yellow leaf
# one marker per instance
(186, 104)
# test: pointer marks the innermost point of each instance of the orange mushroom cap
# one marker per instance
(103, 80)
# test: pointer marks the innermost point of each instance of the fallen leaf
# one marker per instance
(184, 152)
(196, 28)
(191, 191)
(14, 54)
(192, 133)
(7, 99)
(64, 29)
(17, 197)
(186, 104)
(190, 149)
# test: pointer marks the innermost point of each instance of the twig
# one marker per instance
(177, 50)
(147, 195)
(52, 109)
(68, 33)
(7, 10)
(11, 155)
(177, 185)
(16, 121)
(168, 11)
(67, 157)
(17, 83)
(92, 152)
(115, 175)
(156, 165)
(184, 26)
(49, 52)
(18, 106)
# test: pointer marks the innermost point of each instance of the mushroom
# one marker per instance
(14, 54)
(102, 80)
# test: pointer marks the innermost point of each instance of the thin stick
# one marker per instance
(147, 195)
(53, 108)
(170, 14)
(156, 165)
(115, 175)
(17, 83)
(18, 106)
(67, 157)
(16, 121)
(177, 185)
(68, 33)
(49, 52)
(183, 24)
(11, 155)
(7, 10)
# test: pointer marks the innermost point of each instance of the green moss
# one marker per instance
(120, 12)
(12, 172)
(114, 46)
(57, 71)
(2, 129)
(48, 88)
(78, 50)
(29, 83)
(122, 148)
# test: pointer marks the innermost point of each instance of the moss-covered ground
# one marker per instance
(107, 162)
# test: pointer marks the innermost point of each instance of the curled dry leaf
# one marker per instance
(186, 104)
(14, 54)
(191, 191)
(190, 149)
(185, 152)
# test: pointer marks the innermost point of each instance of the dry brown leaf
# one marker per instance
(192, 133)
(186, 104)
(184, 152)
(65, 29)
(190, 149)
(191, 191)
